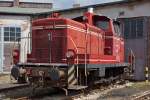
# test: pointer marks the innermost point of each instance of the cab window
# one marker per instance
(102, 24)
(117, 28)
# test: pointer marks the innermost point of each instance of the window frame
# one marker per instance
(12, 33)
(133, 25)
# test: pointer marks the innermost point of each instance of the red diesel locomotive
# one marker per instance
(73, 53)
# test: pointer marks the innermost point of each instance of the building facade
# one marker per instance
(12, 28)
(15, 22)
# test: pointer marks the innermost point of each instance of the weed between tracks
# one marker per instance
(95, 92)
(4, 78)
(140, 85)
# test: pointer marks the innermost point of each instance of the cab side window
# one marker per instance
(117, 28)
(101, 22)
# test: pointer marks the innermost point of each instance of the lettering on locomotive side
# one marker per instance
(69, 27)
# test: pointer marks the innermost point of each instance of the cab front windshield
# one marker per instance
(103, 24)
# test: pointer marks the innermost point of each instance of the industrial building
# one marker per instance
(15, 22)
(135, 23)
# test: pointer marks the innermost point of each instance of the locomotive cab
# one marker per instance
(112, 35)
(104, 23)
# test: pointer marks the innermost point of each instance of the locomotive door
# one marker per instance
(1, 50)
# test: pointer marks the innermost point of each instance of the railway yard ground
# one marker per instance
(126, 91)
(4, 78)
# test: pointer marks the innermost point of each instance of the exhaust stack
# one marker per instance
(88, 16)
(90, 10)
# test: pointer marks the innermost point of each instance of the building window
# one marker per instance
(133, 28)
(12, 33)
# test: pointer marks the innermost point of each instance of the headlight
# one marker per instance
(70, 54)
(22, 71)
(56, 74)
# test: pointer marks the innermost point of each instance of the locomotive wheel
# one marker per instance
(21, 79)
(15, 72)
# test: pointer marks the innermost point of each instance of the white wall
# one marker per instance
(24, 23)
(130, 10)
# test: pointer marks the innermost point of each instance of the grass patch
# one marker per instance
(140, 85)
(4, 78)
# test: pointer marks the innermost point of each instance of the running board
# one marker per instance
(76, 87)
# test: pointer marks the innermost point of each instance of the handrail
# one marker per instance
(69, 37)
(86, 43)
(14, 45)
(77, 57)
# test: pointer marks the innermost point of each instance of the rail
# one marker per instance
(6, 87)
(141, 96)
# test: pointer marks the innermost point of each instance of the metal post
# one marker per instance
(77, 69)
(146, 74)
(49, 46)
(86, 39)
(1, 49)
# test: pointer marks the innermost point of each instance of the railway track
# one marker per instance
(10, 93)
(141, 96)
(98, 90)
(7, 87)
